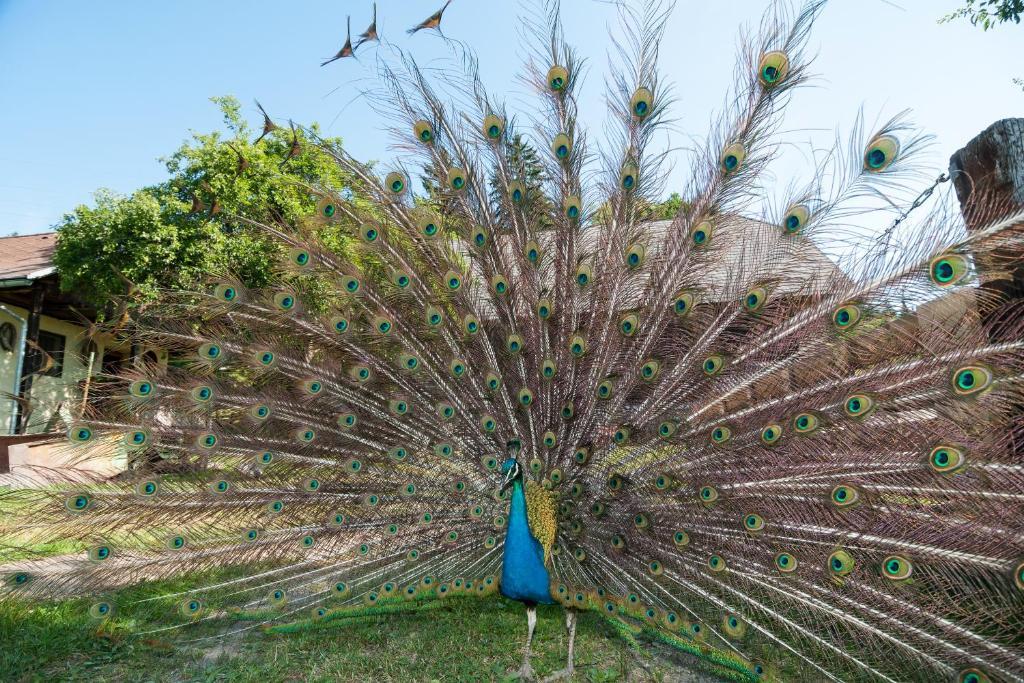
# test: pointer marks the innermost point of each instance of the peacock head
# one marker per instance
(510, 468)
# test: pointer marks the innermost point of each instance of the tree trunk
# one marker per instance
(988, 175)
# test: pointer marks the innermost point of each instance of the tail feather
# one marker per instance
(785, 441)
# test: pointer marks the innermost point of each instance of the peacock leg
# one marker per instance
(526, 671)
(570, 626)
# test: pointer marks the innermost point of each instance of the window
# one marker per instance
(112, 363)
(53, 345)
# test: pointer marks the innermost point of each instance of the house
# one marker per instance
(44, 329)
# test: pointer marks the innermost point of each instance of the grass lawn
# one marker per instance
(465, 639)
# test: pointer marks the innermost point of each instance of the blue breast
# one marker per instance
(523, 575)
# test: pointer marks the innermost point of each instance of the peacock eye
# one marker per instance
(804, 423)
(201, 394)
(605, 389)
(548, 368)
(947, 270)
(858, 405)
(457, 367)
(682, 304)
(147, 488)
(897, 568)
(708, 494)
(716, 563)
(428, 226)
(480, 237)
(844, 496)
(453, 280)
(351, 284)
(525, 397)
(557, 78)
(772, 69)
(573, 207)
(493, 126)
(209, 351)
(845, 317)
(972, 676)
(771, 434)
(568, 410)
(628, 177)
(339, 325)
(284, 301)
(533, 252)
(732, 158)
(667, 428)
(424, 131)
(754, 299)
(681, 539)
(225, 292)
(840, 563)
(141, 389)
(488, 423)
(137, 438)
(796, 218)
(880, 153)
(457, 179)
(395, 182)
(701, 233)
(713, 364)
(369, 233)
(946, 459)
(561, 146)
(470, 324)
(971, 379)
(753, 523)
(641, 103)
(635, 256)
(621, 435)
(786, 563)
(577, 346)
(516, 192)
(721, 434)
(327, 208)
(299, 257)
(101, 610)
(649, 370)
(584, 274)
(544, 308)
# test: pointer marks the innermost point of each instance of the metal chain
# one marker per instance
(921, 199)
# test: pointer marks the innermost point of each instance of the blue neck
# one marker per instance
(523, 574)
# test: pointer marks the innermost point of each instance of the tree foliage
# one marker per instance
(192, 225)
(988, 13)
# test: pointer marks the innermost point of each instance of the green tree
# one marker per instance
(988, 13)
(193, 224)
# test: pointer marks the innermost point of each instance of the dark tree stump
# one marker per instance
(988, 175)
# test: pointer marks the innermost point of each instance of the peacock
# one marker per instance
(758, 430)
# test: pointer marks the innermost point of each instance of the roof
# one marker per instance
(749, 251)
(27, 257)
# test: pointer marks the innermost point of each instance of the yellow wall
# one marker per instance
(48, 393)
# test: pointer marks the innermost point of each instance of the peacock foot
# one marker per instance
(525, 672)
(561, 674)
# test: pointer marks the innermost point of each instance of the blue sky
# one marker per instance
(93, 93)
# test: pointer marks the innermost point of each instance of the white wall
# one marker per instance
(48, 392)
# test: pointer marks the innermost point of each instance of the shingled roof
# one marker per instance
(27, 257)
